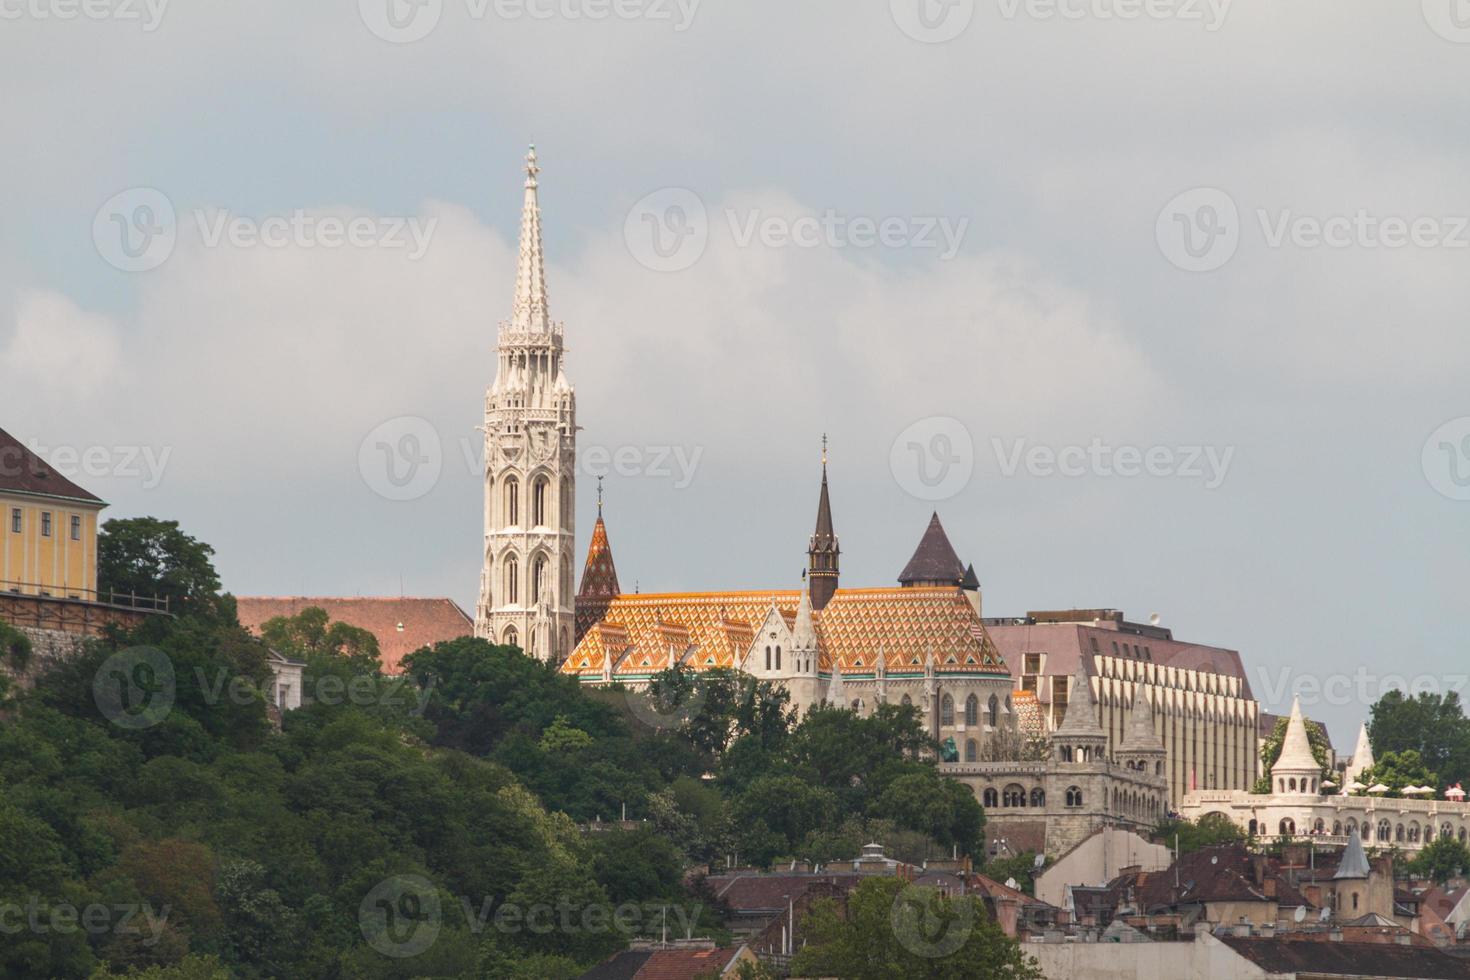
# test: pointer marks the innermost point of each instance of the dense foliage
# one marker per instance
(1190, 835)
(159, 819)
(1432, 725)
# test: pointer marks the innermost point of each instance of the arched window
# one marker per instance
(946, 710)
(768, 658)
(1291, 783)
(512, 580)
(538, 578)
(990, 800)
(1398, 834)
(1288, 827)
(512, 638)
(1253, 828)
(1014, 795)
(1462, 835)
(1066, 753)
(1385, 830)
(970, 751)
(972, 711)
(1337, 828)
(994, 711)
(1038, 797)
(1074, 796)
(512, 502)
(1413, 833)
(1319, 826)
(539, 501)
(778, 658)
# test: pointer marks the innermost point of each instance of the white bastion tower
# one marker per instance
(527, 595)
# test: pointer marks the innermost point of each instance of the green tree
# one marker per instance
(890, 929)
(1272, 744)
(1209, 830)
(145, 556)
(310, 633)
(1440, 860)
(1433, 725)
(1397, 770)
(1021, 867)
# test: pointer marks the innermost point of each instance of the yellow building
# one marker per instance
(48, 540)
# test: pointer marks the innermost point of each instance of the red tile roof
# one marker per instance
(22, 471)
(685, 964)
(401, 625)
(1290, 956)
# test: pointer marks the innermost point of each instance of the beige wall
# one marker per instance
(34, 562)
(1204, 959)
(1098, 860)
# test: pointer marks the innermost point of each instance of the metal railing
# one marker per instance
(121, 600)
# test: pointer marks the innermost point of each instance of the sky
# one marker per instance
(1160, 304)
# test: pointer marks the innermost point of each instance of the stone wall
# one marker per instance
(1206, 958)
(47, 647)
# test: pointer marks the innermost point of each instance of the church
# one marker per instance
(1047, 783)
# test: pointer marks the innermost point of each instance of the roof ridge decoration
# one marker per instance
(1296, 748)
(1081, 717)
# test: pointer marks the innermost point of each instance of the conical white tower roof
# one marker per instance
(1140, 736)
(1296, 749)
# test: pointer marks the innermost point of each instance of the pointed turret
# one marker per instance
(1296, 771)
(835, 694)
(934, 561)
(600, 576)
(1141, 747)
(1080, 738)
(824, 554)
(1354, 864)
(530, 313)
(804, 631)
(1362, 759)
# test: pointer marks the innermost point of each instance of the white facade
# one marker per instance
(527, 592)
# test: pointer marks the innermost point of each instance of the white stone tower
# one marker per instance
(527, 595)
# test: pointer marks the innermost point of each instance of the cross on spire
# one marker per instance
(599, 496)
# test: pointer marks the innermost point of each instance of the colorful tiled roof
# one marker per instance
(401, 625)
(22, 471)
(643, 634)
(1028, 713)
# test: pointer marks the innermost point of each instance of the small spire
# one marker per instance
(530, 313)
(824, 451)
(599, 498)
(531, 168)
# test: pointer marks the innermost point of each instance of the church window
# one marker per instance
(512, 580)
(1288, 827)
(994, 712)
(538, 502)
(538, 578)
(1355, 901)
(972, 711)
(1074, 796)
(1013, 796)
(512, 638)
(778, 658)
(1038, 797)
(946, 710)
(768, 658)
(1385, 830)
(990, 799)
(970, 752)
(512, 502)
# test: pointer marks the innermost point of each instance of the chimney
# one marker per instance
(1270, 885)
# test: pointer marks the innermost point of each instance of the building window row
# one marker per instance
(48, 524)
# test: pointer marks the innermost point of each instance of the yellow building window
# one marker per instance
(45, 524)
(16, 518)
(76, 528)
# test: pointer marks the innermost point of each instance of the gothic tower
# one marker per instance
(823, 554)
(526, 590)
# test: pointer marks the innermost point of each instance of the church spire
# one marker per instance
(823, 555)
(600, 576)
(529, 314)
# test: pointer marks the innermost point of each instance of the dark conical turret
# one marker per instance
(934, 561)
(824, 553)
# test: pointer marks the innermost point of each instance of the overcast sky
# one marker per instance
(1002, 256)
